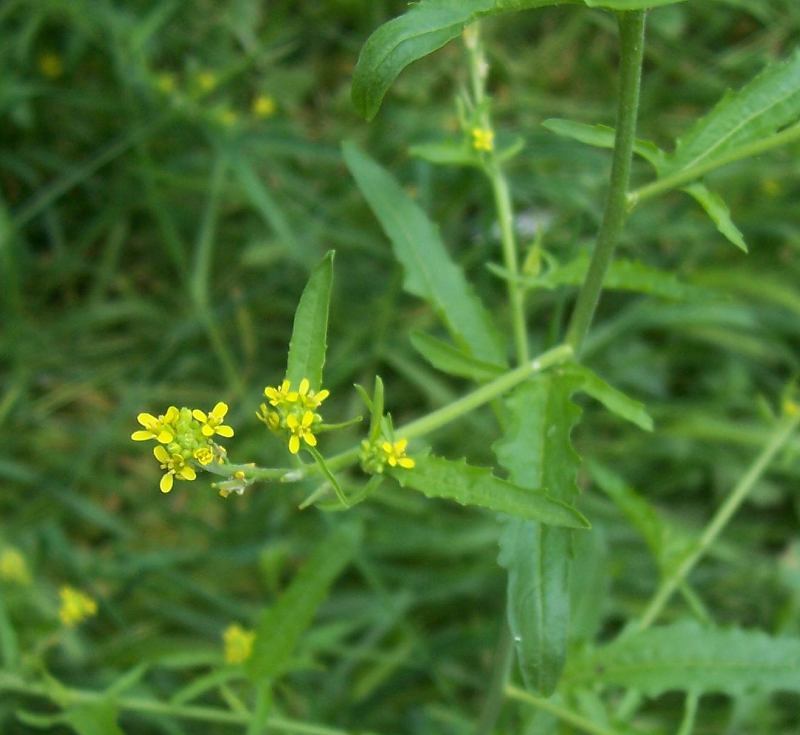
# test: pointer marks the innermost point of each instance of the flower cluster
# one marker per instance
(76, 606)
(185, 438)
(376, 455)
(482, 139)
(238, 643)
(293, 413)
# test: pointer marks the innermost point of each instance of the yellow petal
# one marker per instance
(166, 483)
(165, 436)
(400, 445)
(146, 419)
(285, 385)
(304, 386)
(392, 460)
(292, 422)
(188, 473)
(294, 444)
(406, 462)
(387, 447)
(271, 393)
(220, 410)
(292, 397)
(308, 419)
(142, 436)
(199, 415)
(310, 439)
(207, 430)
(161, 454)
(225, 431)
(321, 396)
(171, 415)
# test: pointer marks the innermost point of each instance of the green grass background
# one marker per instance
(152, 254)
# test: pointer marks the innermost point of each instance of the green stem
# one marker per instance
(501, 668)
(631, 26)
(502, 197)
(726, 511)
(516, 295)
(547, 705)
(13, 683)
(424, 425)
(680, 178)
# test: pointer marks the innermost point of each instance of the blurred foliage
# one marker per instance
(156, 230)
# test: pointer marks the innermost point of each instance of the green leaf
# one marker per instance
(429, 270)
(310, 332)
(97, 718)
(449, 359)
(9, 648)
(436, 477)
(602, 136)
(716, 208)
(427, 26)
(282, 625)
(763, 106)
(537, 451)
(622, 275)
(614, 400)
(446, 153)
(686, 656)
(630, 4)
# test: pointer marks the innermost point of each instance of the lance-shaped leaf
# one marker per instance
(715, 207)
(614, 400)
(537, 451)
(310, 332)
(686, 656)
(428, 26)
(429, 270)
(763, 106)
(436, 477)
(281, 625)
(449, 359)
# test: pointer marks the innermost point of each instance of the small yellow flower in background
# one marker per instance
(161, 429)
(165, 82)
(301, 429)
(13, 567)
(790, 408)
(482, 139)
(227, 117)
(771, 187)
(51, 65)
(76, 606)
(238, 643)
(206, 80)
(212, 423)
(264, 106)
(175, 465)
(396, 454)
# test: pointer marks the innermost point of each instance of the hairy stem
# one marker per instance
(631, 27)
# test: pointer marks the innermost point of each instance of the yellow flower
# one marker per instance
(482, 139)
(396, 454)
(13, 567)
(76, 606)
(227, 117)
(207, 80)
(165, 82)
(301, 429)
(278, 396)
(212, 423)
(263, 106)
(204, 455)
(174, 464)
(51, 65)
(238, 643)
(161, 429)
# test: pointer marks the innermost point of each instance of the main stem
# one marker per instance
(778, 440)
(631, 28)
